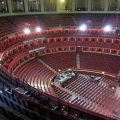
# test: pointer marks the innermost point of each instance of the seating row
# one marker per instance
(66, 60)
(35, 74)
(8, 98)
(92, 94)
(100, 62)
(62, 32)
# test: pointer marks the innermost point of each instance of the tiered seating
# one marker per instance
(35, 73)
(20, 50)
(96, 97)
(7, 60)
(82, 102)
(112, 20)
(69, 81)
(93, 92)
(102, 62)
(56, 20)
(14, 107)
(6, 27)
(62, 94)
(90, 20)
(107, 80)
(25, 21)
(63, 60)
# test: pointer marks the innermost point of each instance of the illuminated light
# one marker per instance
(63, 106)
(61, 0)
(103, 72)
(26, 31)
(59, 70)
(38, 29)
(83, 27)
(20, 2)
(2, 2)
(107, 28)
(113, 88)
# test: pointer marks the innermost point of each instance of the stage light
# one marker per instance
(38, 29)
(59, 70)
(83, 27)
(26, 31)
(103, 72)
(107, 28)
(113, 88)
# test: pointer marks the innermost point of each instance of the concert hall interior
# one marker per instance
(59, 60)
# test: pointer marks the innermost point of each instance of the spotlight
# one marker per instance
(113, 88)
(103, 72)
(59, 70)
(26, 31)
(38, 29)
(83, 27)
(107, 28)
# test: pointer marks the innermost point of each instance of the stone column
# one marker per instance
(42, 5)
(62, 6)
(36, 5)
(92, 4)
(102, 5)
(118, 5)
(86, 5)
(89, 5)
(26, 5)
(73, 5)
(18, 5)
(9, 4)
(106, 5)
(57, 5)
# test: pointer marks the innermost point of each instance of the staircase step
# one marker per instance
(74, 20)
(78, 60)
